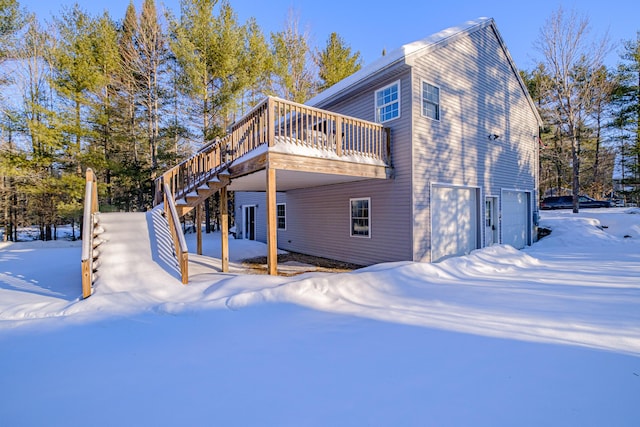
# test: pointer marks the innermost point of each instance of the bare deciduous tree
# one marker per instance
(571, 58)
(294, 79)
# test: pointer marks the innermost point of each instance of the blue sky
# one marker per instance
(371, 26)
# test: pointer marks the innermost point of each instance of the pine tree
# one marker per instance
(627, 116)
(599, 155)
(11, 22)
(214, 53)
(102, 150)
(259, 65)
(129, 78)
(37, 166)
(151, 47)
(336, 62)
(76, 75)
(134, 167)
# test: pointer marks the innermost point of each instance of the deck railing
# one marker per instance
(303, 126)
(277, 122)
(88, 231)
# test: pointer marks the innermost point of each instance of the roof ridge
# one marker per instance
(398, 55)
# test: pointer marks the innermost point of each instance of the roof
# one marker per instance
(397, 56)
(403, 55)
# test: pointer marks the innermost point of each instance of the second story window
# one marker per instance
(388, 102)
(430, 101)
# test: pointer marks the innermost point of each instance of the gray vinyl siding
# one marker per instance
(319, 217)
(481, 96)
(258, 199)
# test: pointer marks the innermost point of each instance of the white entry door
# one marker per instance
(454, 221)
(490, 220)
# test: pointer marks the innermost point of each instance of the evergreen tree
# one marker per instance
(627, 116)
(555, 153)
(11, 175)
(336, 62)
(151, 47)
(599, 156)
(129, 78)
(214, 53)
(36, 165)
(76, 76)
(102, 150)
(11, 22)
(134, 166)
(259, 64)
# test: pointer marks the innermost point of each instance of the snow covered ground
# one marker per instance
(545, 336)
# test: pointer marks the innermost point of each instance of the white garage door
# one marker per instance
(515, 218)
(454, 221)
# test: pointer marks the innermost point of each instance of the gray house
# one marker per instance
(463, 164)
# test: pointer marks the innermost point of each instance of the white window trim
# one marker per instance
(368, 236)
(285, 216)
(375, 102)
(422, 82)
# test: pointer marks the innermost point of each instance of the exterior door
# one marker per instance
(249, 222)
(490, 220)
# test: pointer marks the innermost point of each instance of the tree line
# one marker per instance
(590, 141)
(132, 97)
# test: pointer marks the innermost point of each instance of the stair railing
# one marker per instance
(89, 222)
(179, 242)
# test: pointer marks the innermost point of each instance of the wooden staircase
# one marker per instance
(202, 192)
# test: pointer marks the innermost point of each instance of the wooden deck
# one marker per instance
(278, 146)
(285, 136)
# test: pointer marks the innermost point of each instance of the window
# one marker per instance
(360, 217)
(281, 216)
(430, 101)
(388, 102)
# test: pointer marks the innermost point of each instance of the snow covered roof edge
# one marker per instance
(396, 56)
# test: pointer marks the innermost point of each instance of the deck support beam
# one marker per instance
(198, 223)
(272, 236)
(224, 230)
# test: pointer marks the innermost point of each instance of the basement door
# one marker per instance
(249, 222)
(454, 221)
(516, 218)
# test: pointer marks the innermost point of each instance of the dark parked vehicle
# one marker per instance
(566, 202)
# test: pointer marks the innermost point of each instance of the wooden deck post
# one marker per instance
(198, 224)
(224, 230)
(272, 236)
